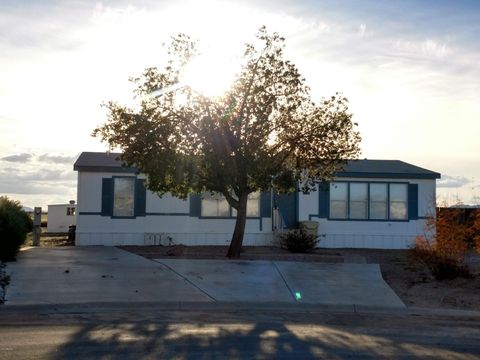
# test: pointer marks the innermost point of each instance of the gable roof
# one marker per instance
(101, 162)
(394, 169)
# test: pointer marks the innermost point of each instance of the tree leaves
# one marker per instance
(265, 131)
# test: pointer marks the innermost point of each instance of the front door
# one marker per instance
(287, 206)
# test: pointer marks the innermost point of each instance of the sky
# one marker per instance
(410, 69)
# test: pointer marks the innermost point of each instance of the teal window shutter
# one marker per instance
(140, 197)
(195, 205)
(107, 196)
(412, 201)
(266, 204)
(323, 200)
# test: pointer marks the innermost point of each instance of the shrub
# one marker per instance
(444, 245)
(441, 265)
(14, 225)
(298, 241)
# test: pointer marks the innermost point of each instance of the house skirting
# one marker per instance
(377, 241)
(124, 238)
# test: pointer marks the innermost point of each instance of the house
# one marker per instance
(369, 204)
(61, 216)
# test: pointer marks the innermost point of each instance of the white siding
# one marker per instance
(93, 229)
(58, 221)
(370, 234)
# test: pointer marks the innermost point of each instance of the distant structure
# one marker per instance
(27, 209)
(61, 216)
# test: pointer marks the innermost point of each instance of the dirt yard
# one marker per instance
(412, 282)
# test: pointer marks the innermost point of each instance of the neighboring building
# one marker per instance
(61, 216)
(371, 204)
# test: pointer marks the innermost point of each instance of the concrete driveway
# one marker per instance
(66, 275)
(108, 274)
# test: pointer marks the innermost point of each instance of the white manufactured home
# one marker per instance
(61, 216)
(369, 204)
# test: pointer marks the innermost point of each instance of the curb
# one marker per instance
(86, 308)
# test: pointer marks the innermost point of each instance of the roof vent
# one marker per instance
(71, 202)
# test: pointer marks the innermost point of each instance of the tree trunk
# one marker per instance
(237, 238)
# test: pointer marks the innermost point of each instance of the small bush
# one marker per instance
(298, 241)
(14, 225)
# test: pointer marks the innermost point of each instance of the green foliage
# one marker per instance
(298, 241)
(264, 132)
(14, 225)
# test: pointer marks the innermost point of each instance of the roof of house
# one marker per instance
(395, 169)
(101, 162)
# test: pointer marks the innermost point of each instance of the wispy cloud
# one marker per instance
(18, 158)
(452, 181)
(426, 47)
(58, 159)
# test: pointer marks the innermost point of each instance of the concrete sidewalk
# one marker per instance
(107, 274)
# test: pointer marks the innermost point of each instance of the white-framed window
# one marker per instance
(216, 205)
(378, 201)
(368, 201)
(398, 201)
(358, 201)
(253, 205)
(338, 200)
(123, 196)
(70, 211)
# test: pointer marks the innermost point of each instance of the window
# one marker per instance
(253, 205)
(378, 201)
(375, 201)
(339, 200)
(398, 201)
(70, 211)
(217, 206)
(123, 196)
(358, 201)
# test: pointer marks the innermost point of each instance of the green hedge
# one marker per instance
(14, 226)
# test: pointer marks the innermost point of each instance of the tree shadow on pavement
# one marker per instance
(206, 339)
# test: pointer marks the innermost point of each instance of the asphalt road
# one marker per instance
(144, 332)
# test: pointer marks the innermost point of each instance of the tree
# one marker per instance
(264, 132)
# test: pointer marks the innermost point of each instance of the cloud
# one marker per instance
(40, 180)
(58, 159)
(452, 181)
(19, 158)
(428, 48)
(362, 30)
